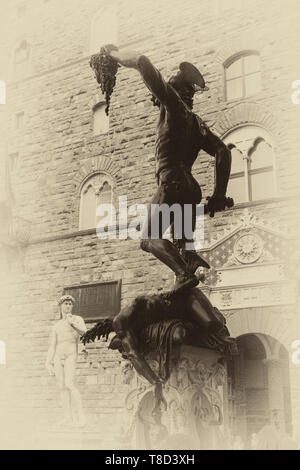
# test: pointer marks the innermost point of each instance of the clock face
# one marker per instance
(248, 248)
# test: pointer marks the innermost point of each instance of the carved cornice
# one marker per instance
(247, 221)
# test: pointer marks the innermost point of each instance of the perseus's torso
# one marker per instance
(178, 134)
(176, 139)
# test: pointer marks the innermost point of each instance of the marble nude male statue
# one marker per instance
(62, 358)
(181, 134)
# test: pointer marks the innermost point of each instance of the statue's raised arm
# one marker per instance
(153, 79)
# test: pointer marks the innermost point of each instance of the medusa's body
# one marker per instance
(191, 307)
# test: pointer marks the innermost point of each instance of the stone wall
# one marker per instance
(57, 150)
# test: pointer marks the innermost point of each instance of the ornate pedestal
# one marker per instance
(174, 343)
(192, 417)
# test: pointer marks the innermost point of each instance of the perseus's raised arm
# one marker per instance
(152, 77)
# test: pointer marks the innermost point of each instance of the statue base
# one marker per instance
(174, 344)
(191, 415)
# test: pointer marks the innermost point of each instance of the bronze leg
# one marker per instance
(166, 252)
(161, 248)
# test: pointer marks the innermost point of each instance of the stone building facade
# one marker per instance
(63, 157)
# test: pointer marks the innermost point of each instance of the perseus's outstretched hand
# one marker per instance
(124, 57)
(110, 47)
(217, 204)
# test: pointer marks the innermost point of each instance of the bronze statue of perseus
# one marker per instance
(185, 314)
(181, 134)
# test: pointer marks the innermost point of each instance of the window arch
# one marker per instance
(252, 171)
(100, 119)
(21, 59)
(104, 29)
(96, 190)
(242, 75)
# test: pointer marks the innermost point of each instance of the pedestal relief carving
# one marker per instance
(193, 409)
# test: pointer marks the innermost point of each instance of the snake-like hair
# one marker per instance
(105, 68)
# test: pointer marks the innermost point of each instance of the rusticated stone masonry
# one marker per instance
(57, 151)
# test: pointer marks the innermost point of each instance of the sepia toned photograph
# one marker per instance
(149, 227)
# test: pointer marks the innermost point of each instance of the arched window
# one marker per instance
(252, 171)
(100, 119)
(2, 92)
(242, 76)
(104, 29)
(98, 189)
(21, 61)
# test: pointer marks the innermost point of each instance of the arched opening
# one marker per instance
(100, 119)
(253, 175)
(258, 386)
(96, 190)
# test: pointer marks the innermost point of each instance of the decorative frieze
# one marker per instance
(254, 296)
(193, 402)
